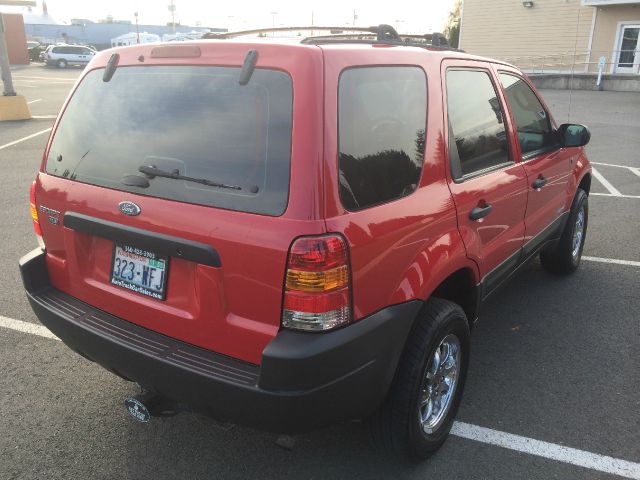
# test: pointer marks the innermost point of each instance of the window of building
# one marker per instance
(534, 127)
(382, 119)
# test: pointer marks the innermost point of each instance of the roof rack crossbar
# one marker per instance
(382, 34)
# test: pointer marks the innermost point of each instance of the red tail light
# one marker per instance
(34, 213)
(317, 292)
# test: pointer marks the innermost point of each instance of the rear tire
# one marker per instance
(564, 257)
(61, 63)
(417, 415)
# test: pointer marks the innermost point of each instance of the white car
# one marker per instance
(64, 55)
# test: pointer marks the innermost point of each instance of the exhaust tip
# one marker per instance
(137, 409)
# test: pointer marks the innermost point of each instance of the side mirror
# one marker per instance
(573, 135)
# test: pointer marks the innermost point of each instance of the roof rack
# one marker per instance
(380, 34)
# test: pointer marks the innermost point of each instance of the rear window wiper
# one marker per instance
(153, 171)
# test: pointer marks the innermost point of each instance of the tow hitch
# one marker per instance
(149, 404)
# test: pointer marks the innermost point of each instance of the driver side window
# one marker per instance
(535, 132)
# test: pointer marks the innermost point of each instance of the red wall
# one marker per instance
(16, 39)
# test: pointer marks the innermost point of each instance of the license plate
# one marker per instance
(139, 270)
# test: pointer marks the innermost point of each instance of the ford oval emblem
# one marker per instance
(129, 208)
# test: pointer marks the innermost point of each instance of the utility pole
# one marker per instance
(4, 63)
(12, 105)
(172, 9)
(135, 14)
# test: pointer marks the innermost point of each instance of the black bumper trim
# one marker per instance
(128, 335)
(305, 380)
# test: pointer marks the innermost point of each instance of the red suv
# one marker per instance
(286, 234)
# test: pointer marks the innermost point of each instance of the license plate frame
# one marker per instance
(137, 256)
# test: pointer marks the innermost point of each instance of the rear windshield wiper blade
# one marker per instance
(153, 171)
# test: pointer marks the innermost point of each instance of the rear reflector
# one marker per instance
(317, 295)
(34, 209)
(33, 206)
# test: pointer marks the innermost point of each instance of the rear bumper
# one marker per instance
(305, 380)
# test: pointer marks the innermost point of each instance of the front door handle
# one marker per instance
(480, 212)
(539, 182)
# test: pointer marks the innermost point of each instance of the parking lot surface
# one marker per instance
(554, 360)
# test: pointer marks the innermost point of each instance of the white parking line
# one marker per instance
(34, 101)
(43, 78)
(613, 196)
(26, 327)
(611, 260)
(605, 183)
(635, 170)
(25, 138)
(560, 453)
(611, 165)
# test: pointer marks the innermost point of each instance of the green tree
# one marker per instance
(452, 28)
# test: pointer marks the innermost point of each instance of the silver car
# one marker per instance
(63, 55)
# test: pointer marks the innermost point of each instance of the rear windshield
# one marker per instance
(195, 122)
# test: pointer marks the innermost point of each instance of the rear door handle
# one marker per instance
(539, 182)
(480, 212)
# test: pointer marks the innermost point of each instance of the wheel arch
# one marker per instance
(585, 182)
(461, 288)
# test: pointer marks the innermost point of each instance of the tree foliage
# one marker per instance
(452, 28)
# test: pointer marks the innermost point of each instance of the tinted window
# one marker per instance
(477, 138)
(197, 120)
(533, 124)
(57, 50)
(382, 115)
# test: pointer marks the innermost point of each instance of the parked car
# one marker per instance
(62, 56)
(291, 234)
(34, 49)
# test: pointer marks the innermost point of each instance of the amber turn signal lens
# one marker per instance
(318, 281)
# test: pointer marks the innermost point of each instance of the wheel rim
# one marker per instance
(578, 232)
(439, 383)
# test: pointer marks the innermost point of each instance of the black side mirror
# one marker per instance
(573, 135)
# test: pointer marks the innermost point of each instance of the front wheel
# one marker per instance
(419, 410)
(61, 63)
(564, 257)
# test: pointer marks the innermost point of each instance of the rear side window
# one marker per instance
(534, 126)
(477, 135)
(382, 118)
(197, 122)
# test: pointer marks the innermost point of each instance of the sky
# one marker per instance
(425, 16)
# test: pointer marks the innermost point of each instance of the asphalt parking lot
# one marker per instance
(555, 361)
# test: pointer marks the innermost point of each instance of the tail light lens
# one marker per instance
(34, 213)
(317, 292)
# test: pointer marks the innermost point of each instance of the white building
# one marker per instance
(132, 39)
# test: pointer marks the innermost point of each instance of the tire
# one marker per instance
(397, 427)
(62, 63)
(564, 257)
